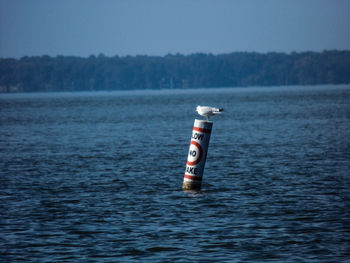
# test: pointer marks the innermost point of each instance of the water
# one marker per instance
(97, 177)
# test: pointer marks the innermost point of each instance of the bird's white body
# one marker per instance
(207, 111)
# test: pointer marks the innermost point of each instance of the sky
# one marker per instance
(159, 27)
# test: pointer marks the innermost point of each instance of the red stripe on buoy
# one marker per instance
(201, 130)
(193, 178)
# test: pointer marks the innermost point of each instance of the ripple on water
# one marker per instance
(78, 184)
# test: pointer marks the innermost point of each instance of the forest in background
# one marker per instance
(68, 73)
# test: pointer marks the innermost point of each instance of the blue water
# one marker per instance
(97, 177)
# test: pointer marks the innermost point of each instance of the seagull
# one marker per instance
(207, 111)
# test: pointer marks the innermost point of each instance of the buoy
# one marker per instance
(197, 154)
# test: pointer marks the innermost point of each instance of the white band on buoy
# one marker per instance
(197, 154)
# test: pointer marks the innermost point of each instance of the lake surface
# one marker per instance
(97, 177)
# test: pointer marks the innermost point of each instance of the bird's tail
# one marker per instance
(218, 111)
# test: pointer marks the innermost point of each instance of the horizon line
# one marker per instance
(102, 55)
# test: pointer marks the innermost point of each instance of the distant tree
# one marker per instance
(62, 73)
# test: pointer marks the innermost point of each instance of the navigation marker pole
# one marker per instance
(197, 154)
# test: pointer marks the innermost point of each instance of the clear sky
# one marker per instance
(159, 27)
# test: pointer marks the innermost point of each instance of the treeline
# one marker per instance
(61, 73)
